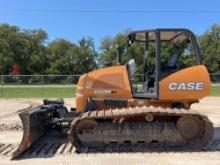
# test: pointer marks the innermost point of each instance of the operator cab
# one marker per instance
(165, 51)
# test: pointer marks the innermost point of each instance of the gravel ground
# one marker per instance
(11, 134)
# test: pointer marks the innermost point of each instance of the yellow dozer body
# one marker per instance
(116, 111)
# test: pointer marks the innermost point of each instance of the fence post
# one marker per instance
(42, 89)
(2, 84)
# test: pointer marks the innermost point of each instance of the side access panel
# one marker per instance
(192, 83)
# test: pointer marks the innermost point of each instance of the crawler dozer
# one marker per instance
(134, 105)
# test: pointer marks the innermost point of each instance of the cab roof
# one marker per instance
(170, 35)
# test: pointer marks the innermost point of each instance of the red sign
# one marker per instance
(16, 69)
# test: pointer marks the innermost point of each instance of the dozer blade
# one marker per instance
(33, 129)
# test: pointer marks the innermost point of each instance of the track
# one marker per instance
(52, 144)
(106, 130)
(64, 154)
(51, 149)
(11, 127)
(38, 150)
(55, 144)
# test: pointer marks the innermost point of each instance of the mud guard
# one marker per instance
(33, 129)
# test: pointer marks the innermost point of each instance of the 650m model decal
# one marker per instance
(104, 91)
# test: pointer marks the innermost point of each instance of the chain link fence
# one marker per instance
(48, 86)
(215, 78)
(34, 86)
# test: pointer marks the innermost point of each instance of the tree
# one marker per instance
(210, 47)
(36, 52)
(209, 44)
(28, 50)
(8, 38)
(108, 48)
(86, 58)
(24, 48)
(68, 58)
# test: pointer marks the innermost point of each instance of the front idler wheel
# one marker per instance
(190, 128)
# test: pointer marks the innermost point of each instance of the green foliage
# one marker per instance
(24, 48)
(137, 50)
(29, 50)
(209, 42)
(68, 58)
(210, 46)
(108, 50)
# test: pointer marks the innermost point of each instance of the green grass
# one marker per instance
(215, 90)
(54, 91)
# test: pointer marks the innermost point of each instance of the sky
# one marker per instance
(73, 19)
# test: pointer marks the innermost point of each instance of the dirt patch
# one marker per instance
(56, 151)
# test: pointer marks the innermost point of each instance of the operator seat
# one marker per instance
(171, 66)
